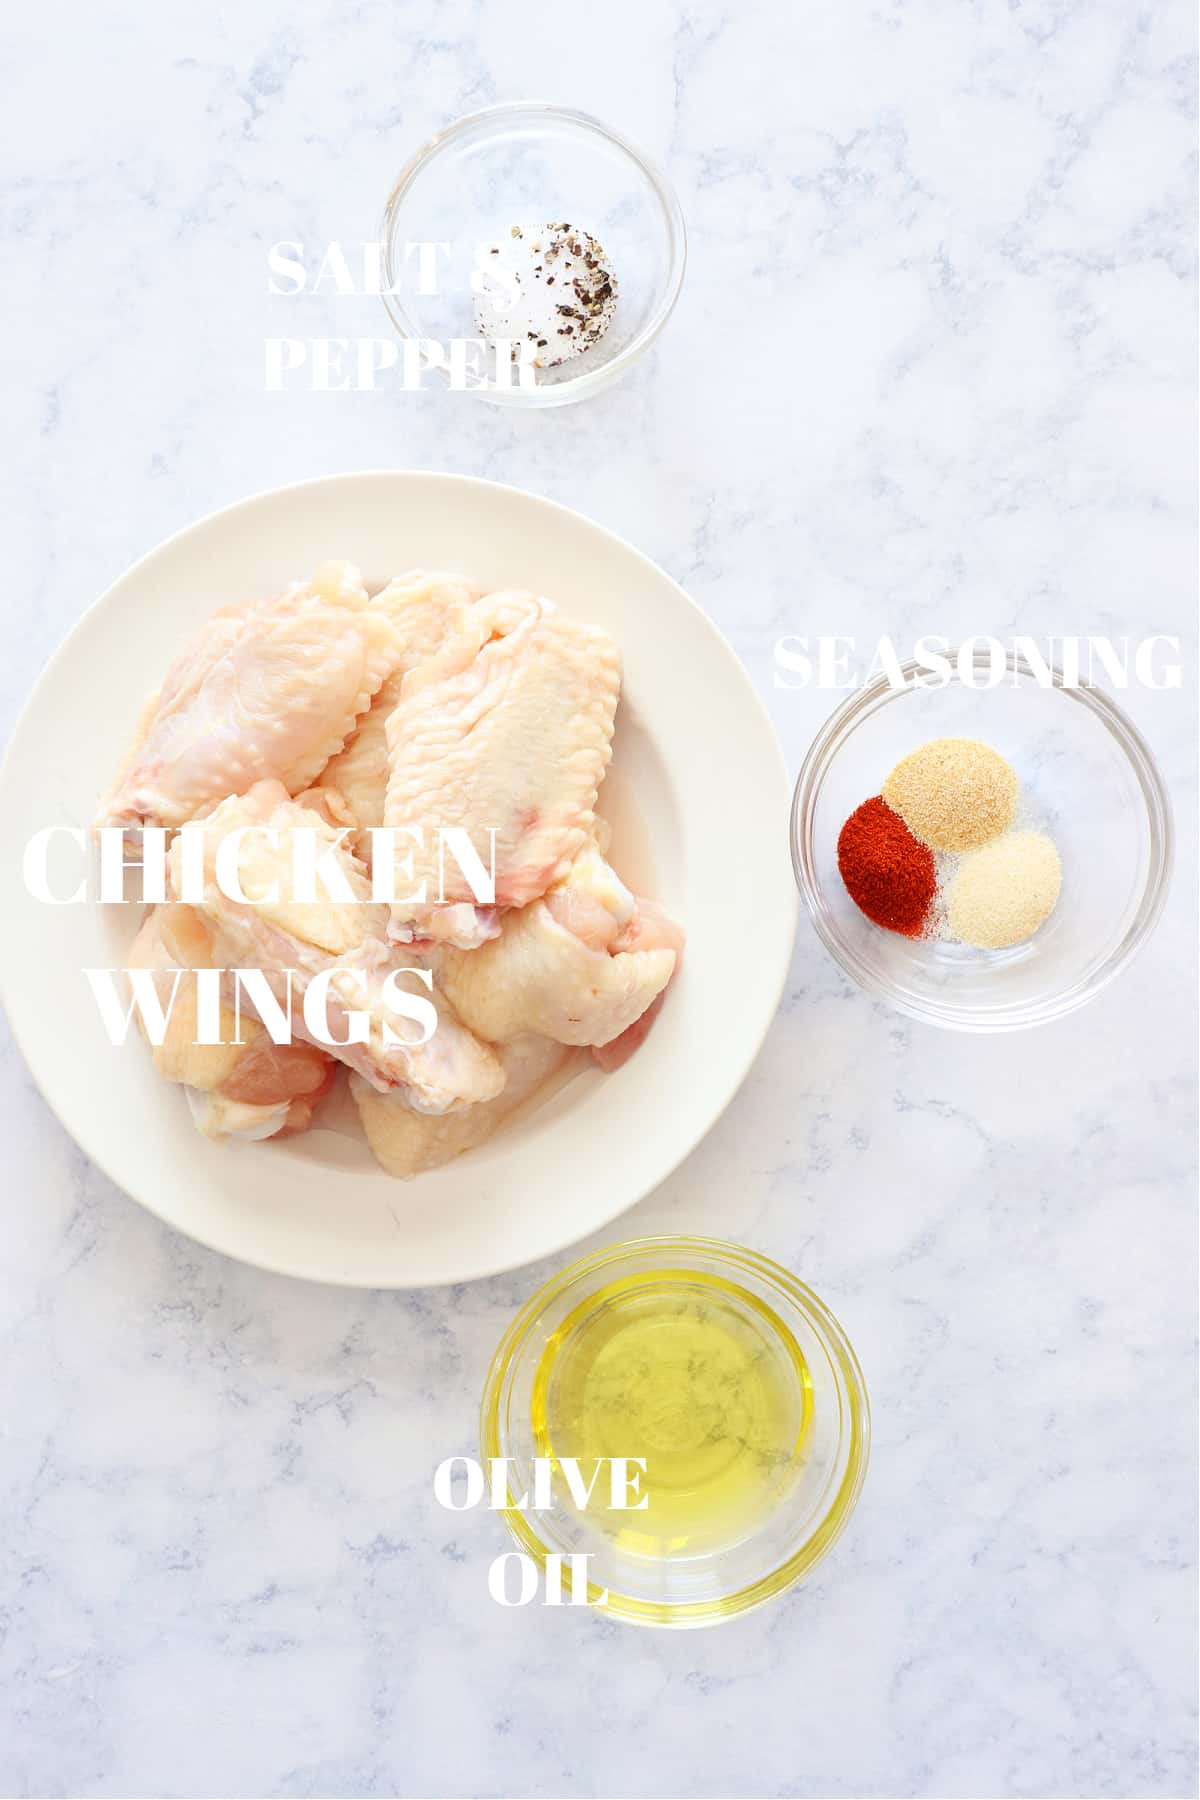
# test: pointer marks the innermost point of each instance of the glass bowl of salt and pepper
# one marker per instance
(554, 237)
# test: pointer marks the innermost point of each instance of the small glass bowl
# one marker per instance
(1087, 778)
(817, 1492)
(530, 162)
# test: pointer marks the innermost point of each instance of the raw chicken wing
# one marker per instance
(408, 1143)
(425, 610)
(509, 726)
(347, 938)
(255, 1089)
(268, 691)
(580, 966)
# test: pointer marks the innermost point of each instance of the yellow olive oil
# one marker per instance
(696, 1375)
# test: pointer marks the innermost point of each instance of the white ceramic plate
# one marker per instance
(694, 745)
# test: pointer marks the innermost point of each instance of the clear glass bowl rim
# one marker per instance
(591, 381)
(834, 733)
(733, 1259)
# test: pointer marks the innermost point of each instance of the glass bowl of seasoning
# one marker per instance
(732, 1381)
(542, 228)
(986, 854)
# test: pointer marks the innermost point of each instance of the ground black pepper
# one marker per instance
(552, 255)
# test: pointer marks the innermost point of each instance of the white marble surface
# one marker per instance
(957, 240)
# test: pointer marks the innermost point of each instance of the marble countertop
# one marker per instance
(955, 243)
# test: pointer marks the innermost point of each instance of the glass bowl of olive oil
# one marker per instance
(734, 1395)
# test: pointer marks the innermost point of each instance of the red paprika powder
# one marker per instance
(889, 874)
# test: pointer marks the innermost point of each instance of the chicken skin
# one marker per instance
(650, 928)
(424, 609)
(410, 1143)
(581, 966)
(294, 941)
(507, 729)
(264, 692)
(249, 1090)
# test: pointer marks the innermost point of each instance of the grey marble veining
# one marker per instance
(955, 246)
